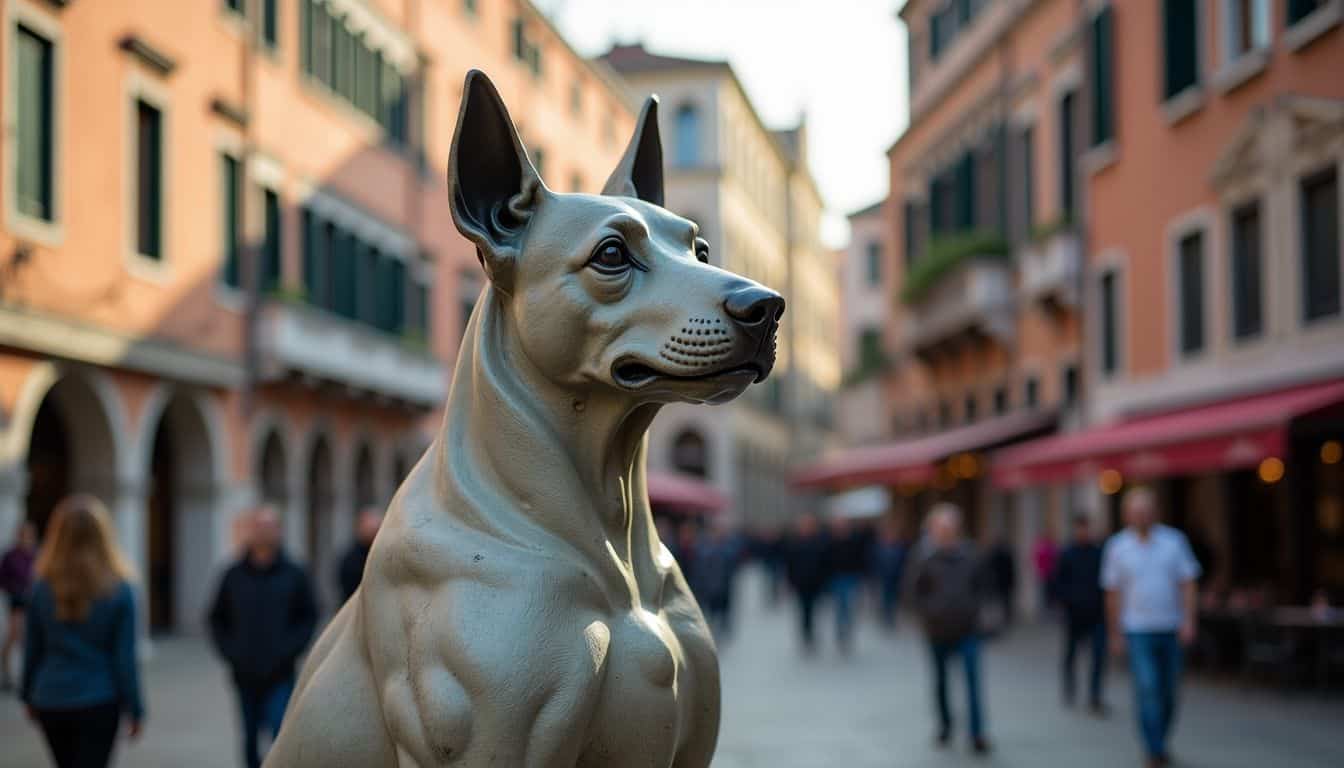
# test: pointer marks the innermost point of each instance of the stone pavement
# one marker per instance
(781, 711)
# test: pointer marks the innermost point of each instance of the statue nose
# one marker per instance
(754, 305)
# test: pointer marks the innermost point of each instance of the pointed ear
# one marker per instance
(492, 185)
(640, 172)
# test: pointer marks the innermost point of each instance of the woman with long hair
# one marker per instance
(80, 675)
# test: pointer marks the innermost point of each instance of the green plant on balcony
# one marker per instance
(945, 254)
(1048, 229)
(288, 295)
(414, 340)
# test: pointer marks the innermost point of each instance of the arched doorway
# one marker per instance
(690, 453)
(366, 489)
(274, 472)
(180, 524)
(71, 449)
(321, 500)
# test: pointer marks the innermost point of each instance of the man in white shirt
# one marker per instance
(1149, 574)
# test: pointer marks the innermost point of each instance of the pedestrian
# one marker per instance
(948, 587)
(889, 556)
(1003, 571)
(807, 565)
(1044, 553)
(1076, 584)
(351, 569)
(849, 565)
(1150, 576)
(80, 674)
(16, 578)
(261, 620)
(715, 570)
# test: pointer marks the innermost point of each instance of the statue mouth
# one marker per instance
(633, 374)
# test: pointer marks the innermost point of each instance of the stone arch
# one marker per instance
(691, 452)
(321, 512)
(366, 491)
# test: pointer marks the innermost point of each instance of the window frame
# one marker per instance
(1234, 212)
(1115, 272)
(49, 232)
(234, 291)
(1185, 334)
(1299, 183)
(1099, 136)
(140, 88)
(1172, 101)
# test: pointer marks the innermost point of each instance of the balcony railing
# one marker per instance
(974, 300)
(1050, 268)
(299, 340)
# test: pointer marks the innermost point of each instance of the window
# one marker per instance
(690, 453)
(270, 22)
(34, 108)
(687, 153)
(234, 5)
(1031, 395)
(1190, 283)
(871, 353)
(148, 181)
(1109, 326)
(1103, 78)
(230, 178)
(272, 238)
(1301, 9)
(356, 71)
(1026, 142)
(1000, 400)
(944, 414)
(1245, 27)
(343, 274)
(1068, 107)
(1069, 384)
(1320, 245)
(971, 404)
(519, 39)
(910, 222)
(1180, 36)
(366, 276)
(874, 263)
(942, 28)
(469, 6)
(1247, 294)
(316, 258)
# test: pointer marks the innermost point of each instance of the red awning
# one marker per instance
(684, 492)
(1229, 434)
(916, 460)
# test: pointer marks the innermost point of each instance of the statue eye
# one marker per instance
(611, 257)
(702, 250)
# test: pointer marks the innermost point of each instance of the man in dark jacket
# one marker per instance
(849, 566)
(807, 564)
(351, 569)
(1076, 585)
(261, 620)
(947, 587)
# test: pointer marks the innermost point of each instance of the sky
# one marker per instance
(840, 62)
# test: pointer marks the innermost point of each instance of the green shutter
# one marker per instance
(36, 125)
(1067, 115)
(1028, 180)
(270, 22)
(1191, 269)
(1180, 28)
(343, 275)
(1300, 9)
(231, 273)
(965, 191)
(397, 288)
(1103, 73)
(366, 276)
(271, 248)
(148, 182)
(1320, 245)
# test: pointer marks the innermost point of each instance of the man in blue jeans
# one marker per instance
(1149, 574)
(947, 587)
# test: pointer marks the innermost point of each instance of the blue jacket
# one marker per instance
(78, 664)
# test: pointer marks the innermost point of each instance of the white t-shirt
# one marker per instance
(1148, 575)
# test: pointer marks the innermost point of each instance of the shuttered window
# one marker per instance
(366, 288)
(1068, 117)
(1180, 37)
(1032, 393)
(873, 257)
(1069, 384)
(1320, 245)
(148, 180)
(270, 22)
(1301, 9)
(1103, 76)
(272, 238)
(1000, 400)
(343, 275)
(1190, 279)
(1247, 293)
(1027, 206)
(910, 225)
(965, 192)
(35, 113)
(230, 180)
(1110, 329)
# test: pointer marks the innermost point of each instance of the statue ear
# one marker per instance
(491, 182)
(640, 172)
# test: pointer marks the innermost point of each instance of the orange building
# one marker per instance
(227, 268)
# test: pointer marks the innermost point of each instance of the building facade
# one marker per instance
(228, 273)
(863, 412)
(750, 190)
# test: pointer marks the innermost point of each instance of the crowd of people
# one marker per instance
(73, 603)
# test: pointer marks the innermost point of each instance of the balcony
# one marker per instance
(297, 340)
(1051, 267)
(973, 302)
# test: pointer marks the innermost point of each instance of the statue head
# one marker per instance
(609, 291)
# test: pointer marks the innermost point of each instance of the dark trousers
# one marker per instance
(942, 651)
(262, 708)
(81, 738)
(807, 609)
(1076, 632)
(1155, 660)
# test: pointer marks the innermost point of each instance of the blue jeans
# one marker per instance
(969, 650)
(845, 589)
(263, 708)
(1155, 662)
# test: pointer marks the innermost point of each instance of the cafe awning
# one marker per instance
(915, 461)
(683, 492)
(1228, 434)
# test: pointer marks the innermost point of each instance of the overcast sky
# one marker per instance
(842, 62)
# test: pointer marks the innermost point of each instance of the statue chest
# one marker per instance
(637, 719)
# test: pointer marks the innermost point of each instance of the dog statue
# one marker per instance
(518, 608)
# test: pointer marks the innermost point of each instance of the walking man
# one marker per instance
(807, 562)
(1149, 574)
(947, 588)
(849, 564)
(1077, 587)
(262, 619)
(351, 569)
